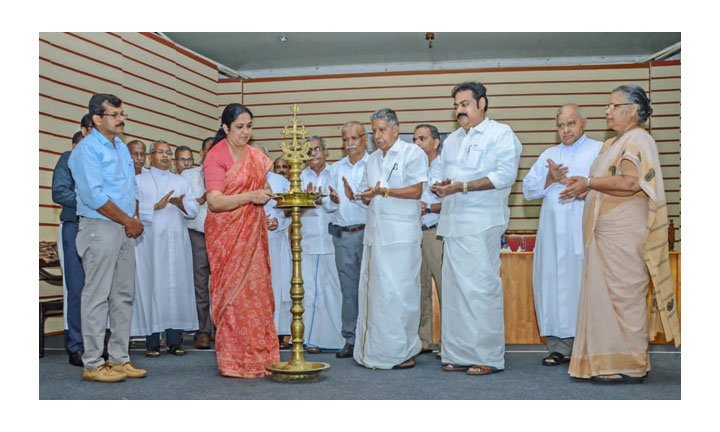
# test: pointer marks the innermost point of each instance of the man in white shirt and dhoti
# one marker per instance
(558, 257)
(427, 138)
(196, 229)
(323, 299)
(165, 294)
(389, 288)
(280, 258)
(479, 165)
(347, 224)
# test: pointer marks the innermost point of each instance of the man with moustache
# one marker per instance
(558, 258)
(389, 288)
(164, 298)
(479, 165)
(347, 225)
(322, 301)
(138, 154)
(106, 202)
(427, 138)
(196, 230)
(282, 167)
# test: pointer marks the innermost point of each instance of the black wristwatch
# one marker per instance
(428, 209)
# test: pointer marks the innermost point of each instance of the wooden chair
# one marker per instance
(48, 260)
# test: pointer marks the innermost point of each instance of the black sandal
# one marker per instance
(152, 352)
(175, 350)
(555, 359)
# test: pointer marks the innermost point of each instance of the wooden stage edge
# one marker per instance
(520, 321)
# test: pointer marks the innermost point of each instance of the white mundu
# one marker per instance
(280, 256)
(164, 288)
(389, 289)
(558, 258)
(473, 328)
(323, 299)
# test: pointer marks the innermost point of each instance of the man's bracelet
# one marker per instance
(587, 183)
(465, 190)
(387, 192)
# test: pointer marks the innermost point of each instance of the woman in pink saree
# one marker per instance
(241, 293)
(625, 236)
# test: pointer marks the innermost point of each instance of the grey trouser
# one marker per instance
(348, 257)
(108, 258)
(432, 250)
(201, 277)
(563, 346)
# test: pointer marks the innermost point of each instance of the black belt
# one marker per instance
(424, 228)
(355, 228)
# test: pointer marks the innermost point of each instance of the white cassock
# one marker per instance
(280, 256)
(323, 299)
(473, 327)
(558, 257)
(389, 288)
(164, 288)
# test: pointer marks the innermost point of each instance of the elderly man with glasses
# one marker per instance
(323, 300)
(165, 295)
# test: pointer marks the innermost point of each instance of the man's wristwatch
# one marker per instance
(428, 209)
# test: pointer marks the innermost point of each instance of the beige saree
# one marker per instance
(625, 239)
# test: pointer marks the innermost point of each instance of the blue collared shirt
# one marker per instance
(103, 173)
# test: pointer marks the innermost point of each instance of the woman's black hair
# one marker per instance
(636, 94)
(229, 115)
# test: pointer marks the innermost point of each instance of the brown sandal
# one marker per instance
(175, 350)
(482, 370)
(407, 364)
(454, 368)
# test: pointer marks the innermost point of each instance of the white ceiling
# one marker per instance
(257, 55)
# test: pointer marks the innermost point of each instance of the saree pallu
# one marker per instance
(241, 284)
(625, 239)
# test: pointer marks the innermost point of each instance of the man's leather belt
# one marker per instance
(355, 228)
(424, 228)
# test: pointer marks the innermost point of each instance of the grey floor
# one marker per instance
(195, 376)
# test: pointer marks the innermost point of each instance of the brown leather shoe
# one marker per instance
(103, 373)
(129, 369)
(202, 341)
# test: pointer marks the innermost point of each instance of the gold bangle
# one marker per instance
(387, 192)
(465, 191)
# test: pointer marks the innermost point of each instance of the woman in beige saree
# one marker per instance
(624, 231)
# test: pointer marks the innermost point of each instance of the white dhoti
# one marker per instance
(322, 302)
(388, 305)
(281, 273)
(473, 326)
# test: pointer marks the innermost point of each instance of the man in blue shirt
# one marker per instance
(106, 203)
(63, 193)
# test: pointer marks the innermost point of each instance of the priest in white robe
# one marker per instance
(558, 257)
(323, 298)
(389, 288)
(164, 293)
(280, 257)
(479, 166)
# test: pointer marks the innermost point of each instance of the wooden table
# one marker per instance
(520, 321)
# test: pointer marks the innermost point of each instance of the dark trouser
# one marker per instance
(201, 276)
(172, 337)
(562, 345)
(348, 257)
(74, 281)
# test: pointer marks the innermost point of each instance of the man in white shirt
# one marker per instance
(323, 299)
(558, 257)
(196, 230)
(427, 138)
(281, 167)
(164, 296)
(389, 288)
(479, 165)
(138, 154)
(347, 224)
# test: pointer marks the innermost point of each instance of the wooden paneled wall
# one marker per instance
(168, 93)
(525, 98)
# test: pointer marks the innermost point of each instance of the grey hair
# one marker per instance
(636, 94)
(317, 138)
(579, 110)
(152, 145)
(352, 123)
(386, 114)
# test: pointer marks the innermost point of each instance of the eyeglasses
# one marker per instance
(168, 152)
(612, 106)
(352, 138)
(186, 160)
(315, 149)
(116, 115)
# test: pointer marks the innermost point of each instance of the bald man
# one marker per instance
(558, 258)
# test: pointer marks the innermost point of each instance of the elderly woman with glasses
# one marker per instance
(624, 230)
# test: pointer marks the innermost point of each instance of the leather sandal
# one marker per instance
(152, 352)
(555, 358)
(454, 368)
(407, 364)
(482, 370)
(175, 350)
